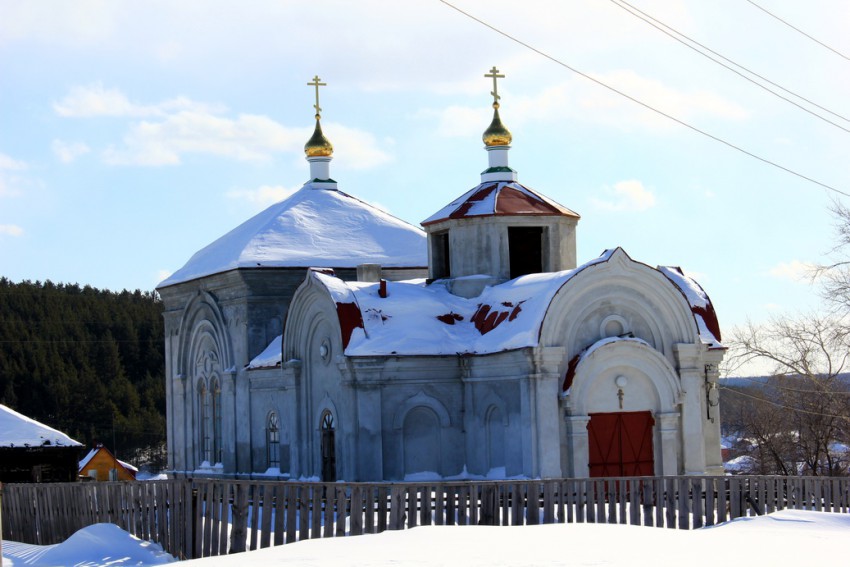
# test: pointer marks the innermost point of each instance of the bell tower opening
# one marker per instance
(440, 258)
(525, 249)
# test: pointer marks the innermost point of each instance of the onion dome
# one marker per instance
(496, 134)
(318, 145)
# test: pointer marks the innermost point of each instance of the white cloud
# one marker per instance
(794, 270)
(9, 182)
(458, 121)
(180, 126)
(264, 195)
(11, 230)
(9, 163)
(578, 99)
(95, 100)
(161, 275)
(599, 104)
(353, 148)
(245, 138)
(629, 195)
(67, 152)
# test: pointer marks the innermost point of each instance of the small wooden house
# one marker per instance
(100, 464)
(33, 452)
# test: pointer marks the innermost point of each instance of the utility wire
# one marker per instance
(636, 12)
(783, 406)
(769, 384)
(822, 44)
(645, 105)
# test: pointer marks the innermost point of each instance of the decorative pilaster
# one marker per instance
(366, 382)
(693, 407)
(543, 386)
(578, 446)
(668, 427)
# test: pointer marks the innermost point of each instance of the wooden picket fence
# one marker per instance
(201, 518)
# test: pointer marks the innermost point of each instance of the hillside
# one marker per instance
(88, 362)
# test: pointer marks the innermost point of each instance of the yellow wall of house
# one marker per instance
(103, 462)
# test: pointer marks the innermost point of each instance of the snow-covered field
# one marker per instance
(783, 538)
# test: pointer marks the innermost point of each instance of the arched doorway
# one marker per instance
(328, 448)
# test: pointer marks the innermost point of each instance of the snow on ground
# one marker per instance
(780, 539)
(94, 546)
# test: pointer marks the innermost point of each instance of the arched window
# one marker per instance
(495, 440)
(273, 441)
(215, 400)
(421, 438)
(203, 422)
(328, 448)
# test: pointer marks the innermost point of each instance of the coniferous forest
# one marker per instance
(88, 362)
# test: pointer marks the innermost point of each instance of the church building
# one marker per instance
(325, 339)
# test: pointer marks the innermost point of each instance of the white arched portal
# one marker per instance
(619, 297)
(620, 377)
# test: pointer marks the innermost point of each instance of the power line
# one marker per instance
(645, 105)
(822, 44)
(770, 384)
(636, 12)
(783, 406)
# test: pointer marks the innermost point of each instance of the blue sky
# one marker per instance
(132, 134)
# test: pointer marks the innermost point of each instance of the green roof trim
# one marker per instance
(500, 169)
(317, 180)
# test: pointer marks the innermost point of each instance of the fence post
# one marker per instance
(240, 519)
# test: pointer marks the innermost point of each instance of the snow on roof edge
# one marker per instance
(30, 432)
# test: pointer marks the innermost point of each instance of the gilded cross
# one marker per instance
(316, 83)
(494, 73)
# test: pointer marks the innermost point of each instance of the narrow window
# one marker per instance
(203, 422)
(216, 415)
(273, 441)
(525, 247)
(328, 448)
(440, 258)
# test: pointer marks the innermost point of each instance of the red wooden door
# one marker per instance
(621, 444)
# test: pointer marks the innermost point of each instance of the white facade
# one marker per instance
(513, 361)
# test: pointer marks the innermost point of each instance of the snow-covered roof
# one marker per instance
(85, 460)
(17, 430)
(498, 198)
(701, 306)
(313, 227)
(270, 357)
(415, 319)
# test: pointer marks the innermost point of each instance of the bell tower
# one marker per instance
(500, 229)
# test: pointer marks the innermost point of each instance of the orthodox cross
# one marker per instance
(316, 83)
(494, 73)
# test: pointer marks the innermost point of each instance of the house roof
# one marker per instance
(499, 198)
(313, 227)
(87, 459)
(18, 430)
(419, 319)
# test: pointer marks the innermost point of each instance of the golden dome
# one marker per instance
(318, 145)
(496, 134)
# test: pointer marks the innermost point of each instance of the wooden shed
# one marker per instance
(33, 452)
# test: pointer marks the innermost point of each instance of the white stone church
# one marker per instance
(325, 339)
